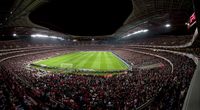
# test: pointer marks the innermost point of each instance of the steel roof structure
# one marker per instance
(16, 12)
(154, 14)
(145, 14)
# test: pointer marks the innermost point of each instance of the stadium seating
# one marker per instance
(162, 40)
(154, 88)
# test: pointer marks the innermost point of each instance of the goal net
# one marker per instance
(66, 65)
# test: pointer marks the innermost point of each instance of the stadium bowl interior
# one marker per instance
(99, 55)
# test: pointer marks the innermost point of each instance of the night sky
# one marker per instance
(83, 17)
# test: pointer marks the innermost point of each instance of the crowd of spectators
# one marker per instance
(138, 59)
(165, 40)
(21, 88)
(19, 44)
(173, 94)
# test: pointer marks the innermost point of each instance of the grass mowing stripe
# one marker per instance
(66, 59)
(84, 61)
(118, 62)
(70, 60)
(112, 60)
(55, 60)
(87, 60)
(90, 62)
(123, 65)
(96, 62)
(93, 62)
(103, 61)
(79, 59)
(106, 60)
(108, 63)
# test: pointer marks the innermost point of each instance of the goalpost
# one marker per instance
(66, 65)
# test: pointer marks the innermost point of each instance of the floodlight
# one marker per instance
(14, 35)
(167, 25)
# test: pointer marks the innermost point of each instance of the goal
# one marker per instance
(66, 65)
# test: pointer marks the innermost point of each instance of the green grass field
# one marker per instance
(90, 60)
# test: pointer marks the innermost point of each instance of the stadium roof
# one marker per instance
(155, 14)
(173, 9)
(77, 17)
(5, 7)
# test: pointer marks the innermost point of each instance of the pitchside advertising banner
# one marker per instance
(192, 20)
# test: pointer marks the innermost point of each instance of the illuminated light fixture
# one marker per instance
(45, 36)
(39, 35)
(14, 35)
(74, 40)
(93, 39)
(137, 32)
(60, 38)
(146, 30)
(167, 25)
(187, 24)
(33, 36)
(53, 37)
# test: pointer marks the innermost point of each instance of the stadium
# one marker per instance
(99, 55)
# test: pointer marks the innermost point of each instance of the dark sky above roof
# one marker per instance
(83, 17)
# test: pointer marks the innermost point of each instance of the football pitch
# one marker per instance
(86, 60)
